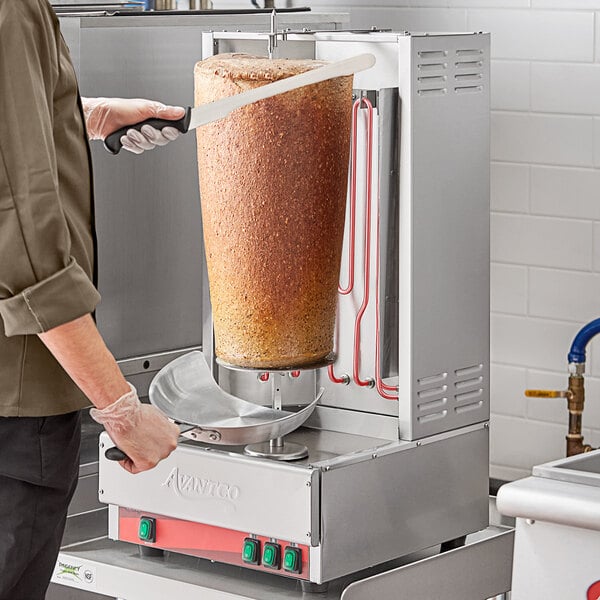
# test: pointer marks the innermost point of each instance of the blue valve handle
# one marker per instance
(583, 337)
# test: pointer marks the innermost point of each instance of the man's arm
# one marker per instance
(141, 431)
(82, 353)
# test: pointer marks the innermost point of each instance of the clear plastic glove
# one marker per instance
(103, 116)
(140, 430)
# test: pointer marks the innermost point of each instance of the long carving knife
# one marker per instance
(207, 113)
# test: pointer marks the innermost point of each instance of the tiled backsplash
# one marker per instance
(545, 202)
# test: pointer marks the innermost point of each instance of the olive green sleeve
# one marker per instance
(41, 285)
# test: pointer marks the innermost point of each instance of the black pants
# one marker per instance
(39, 464)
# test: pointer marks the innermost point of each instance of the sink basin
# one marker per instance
(582, 469)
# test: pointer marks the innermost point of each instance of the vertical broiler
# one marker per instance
(394, 457)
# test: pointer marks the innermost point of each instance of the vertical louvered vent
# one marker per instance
(432, 397)
(432, 73)
(468, 388)
(468, 71)
(455, 393)
(456, 71)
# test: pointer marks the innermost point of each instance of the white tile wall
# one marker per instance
(593, 369)
(543, 138)
(508, 384)
(596, 260)
(565, 88)
(518, 443)
(565, 192)
(510, 81)
(412, 19)
(537, 34)
(542, 241)
(597, 134)
(531, 342)
(509, 187)
(570, 4)
(545, 201)
(509, 289)
(563, 294)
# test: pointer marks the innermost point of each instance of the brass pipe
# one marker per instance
(575, 396)
(575, 401)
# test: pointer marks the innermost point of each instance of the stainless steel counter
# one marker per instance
(103, 568)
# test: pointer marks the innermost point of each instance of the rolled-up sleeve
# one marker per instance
(41, 284)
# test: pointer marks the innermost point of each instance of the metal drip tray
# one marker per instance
(186, 392)
(582, 469)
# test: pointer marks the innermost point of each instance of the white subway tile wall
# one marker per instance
(542, 138)
(542, 241)
(537, 34)
(545, 201)
(511, 85)
(565, 192)
(509, 289)
(510, 187)
(597, 130)
(565, 88)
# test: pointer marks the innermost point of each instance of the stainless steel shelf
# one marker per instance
(116, 570)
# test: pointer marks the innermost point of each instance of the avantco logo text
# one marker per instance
(191, 486)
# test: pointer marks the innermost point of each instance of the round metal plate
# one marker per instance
(328, 360)
(185, 391)
(289, 451)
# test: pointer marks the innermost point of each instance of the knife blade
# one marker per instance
(207, 113)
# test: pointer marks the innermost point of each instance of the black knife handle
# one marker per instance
(116, 454)
(112, 142)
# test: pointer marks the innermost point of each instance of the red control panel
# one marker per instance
(240, 548)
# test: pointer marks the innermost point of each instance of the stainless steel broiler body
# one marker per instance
(397, 458)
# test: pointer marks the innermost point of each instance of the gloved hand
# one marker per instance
(103, 116)
(139, 430)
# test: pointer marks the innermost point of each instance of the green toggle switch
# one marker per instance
(147, 529)
(251, 551)
(272, 555)
(292, 559)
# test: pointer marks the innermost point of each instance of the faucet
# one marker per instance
(575, 394)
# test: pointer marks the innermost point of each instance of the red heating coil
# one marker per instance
(367, 247)
(381, 387)
(352, 241)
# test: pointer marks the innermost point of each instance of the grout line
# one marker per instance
(543, 113)
(551, 321)
(500, 161)
(582, 220)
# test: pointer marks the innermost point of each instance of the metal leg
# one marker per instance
(146, 551)
(308, 587)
